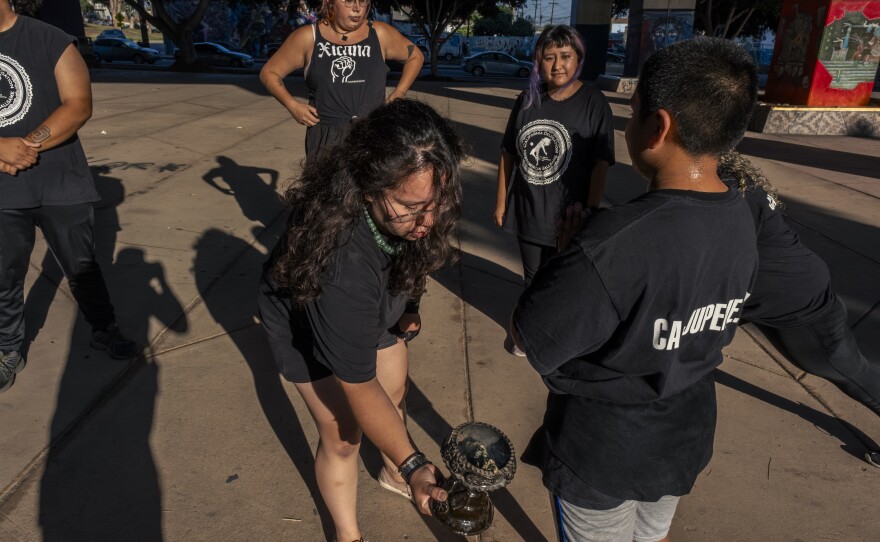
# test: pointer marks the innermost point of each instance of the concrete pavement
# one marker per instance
(200, 440)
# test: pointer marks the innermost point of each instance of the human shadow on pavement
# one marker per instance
(258, 201)
(231, 300)
(853, 441)
(483, 285)
(864, 165)
(100, 482)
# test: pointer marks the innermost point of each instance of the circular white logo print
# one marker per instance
(546, 151)
(16, 92)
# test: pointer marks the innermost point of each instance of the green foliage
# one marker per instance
(522, 27)
(503, 24)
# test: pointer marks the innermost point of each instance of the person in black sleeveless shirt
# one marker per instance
(344, 58)
(45, 97)
(792, 300)
(368, 224)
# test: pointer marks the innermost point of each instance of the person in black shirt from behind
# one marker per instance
(627, 324)
(369, 221)
(792, 299)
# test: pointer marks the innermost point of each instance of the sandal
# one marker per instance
(392, 486)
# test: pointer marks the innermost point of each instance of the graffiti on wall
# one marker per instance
(828, 53)
(661, 28)
(850, 49)
(518, 46)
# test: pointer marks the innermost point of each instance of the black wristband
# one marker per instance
(412, 306)
(411, 464)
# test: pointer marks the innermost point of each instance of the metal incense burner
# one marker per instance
(480, 459)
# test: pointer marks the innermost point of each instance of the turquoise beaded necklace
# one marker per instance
(387, 248)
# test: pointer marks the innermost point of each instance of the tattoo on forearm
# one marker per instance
(409, 50)
(42, 133)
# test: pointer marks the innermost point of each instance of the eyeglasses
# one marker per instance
(408, 217)
(351, 3)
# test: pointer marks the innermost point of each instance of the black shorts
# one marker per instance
(290, 335)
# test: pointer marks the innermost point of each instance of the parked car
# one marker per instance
(217, 55)
(86, 48)
(397, 66)
(496, 63)
(110, 49)
(271, 48)
(112, 33)
(229, 47)
(448, 50)
(612, 56)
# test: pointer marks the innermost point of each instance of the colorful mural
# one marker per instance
(661, 28)
(828, 53)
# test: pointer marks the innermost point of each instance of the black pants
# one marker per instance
(827, 348)
(69, 232)
(534, 256)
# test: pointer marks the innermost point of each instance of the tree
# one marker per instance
(522, 27)
(503, 24)
(432, 17)
(727, 18)
(731, 18)
(180, 32)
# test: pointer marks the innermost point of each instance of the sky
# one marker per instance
(561, 13)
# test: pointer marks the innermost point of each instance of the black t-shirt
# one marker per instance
(556, 145)
(793, 286)
(29, 52)
(355, 308)
(626, 327)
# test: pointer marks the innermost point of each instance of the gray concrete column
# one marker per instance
(65, 14)
(592, 19)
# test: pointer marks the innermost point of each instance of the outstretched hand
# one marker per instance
(425, 484)
(570, 225)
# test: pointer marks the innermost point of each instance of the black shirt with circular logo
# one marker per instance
(556, 145)
(29, 52)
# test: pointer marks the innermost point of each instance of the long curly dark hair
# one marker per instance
(396, 140)
(733, 165)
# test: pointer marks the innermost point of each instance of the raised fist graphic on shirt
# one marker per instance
(342, 67)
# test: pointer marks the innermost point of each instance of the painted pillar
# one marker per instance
(592, 19)
(827, 53)
(65, 14)
(654, 24)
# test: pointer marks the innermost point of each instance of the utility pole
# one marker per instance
(552, 8)
(535, 20)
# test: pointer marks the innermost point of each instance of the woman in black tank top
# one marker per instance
(343, 56)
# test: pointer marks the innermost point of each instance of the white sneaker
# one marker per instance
(517, 352)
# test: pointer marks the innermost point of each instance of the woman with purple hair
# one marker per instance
(556, 150)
